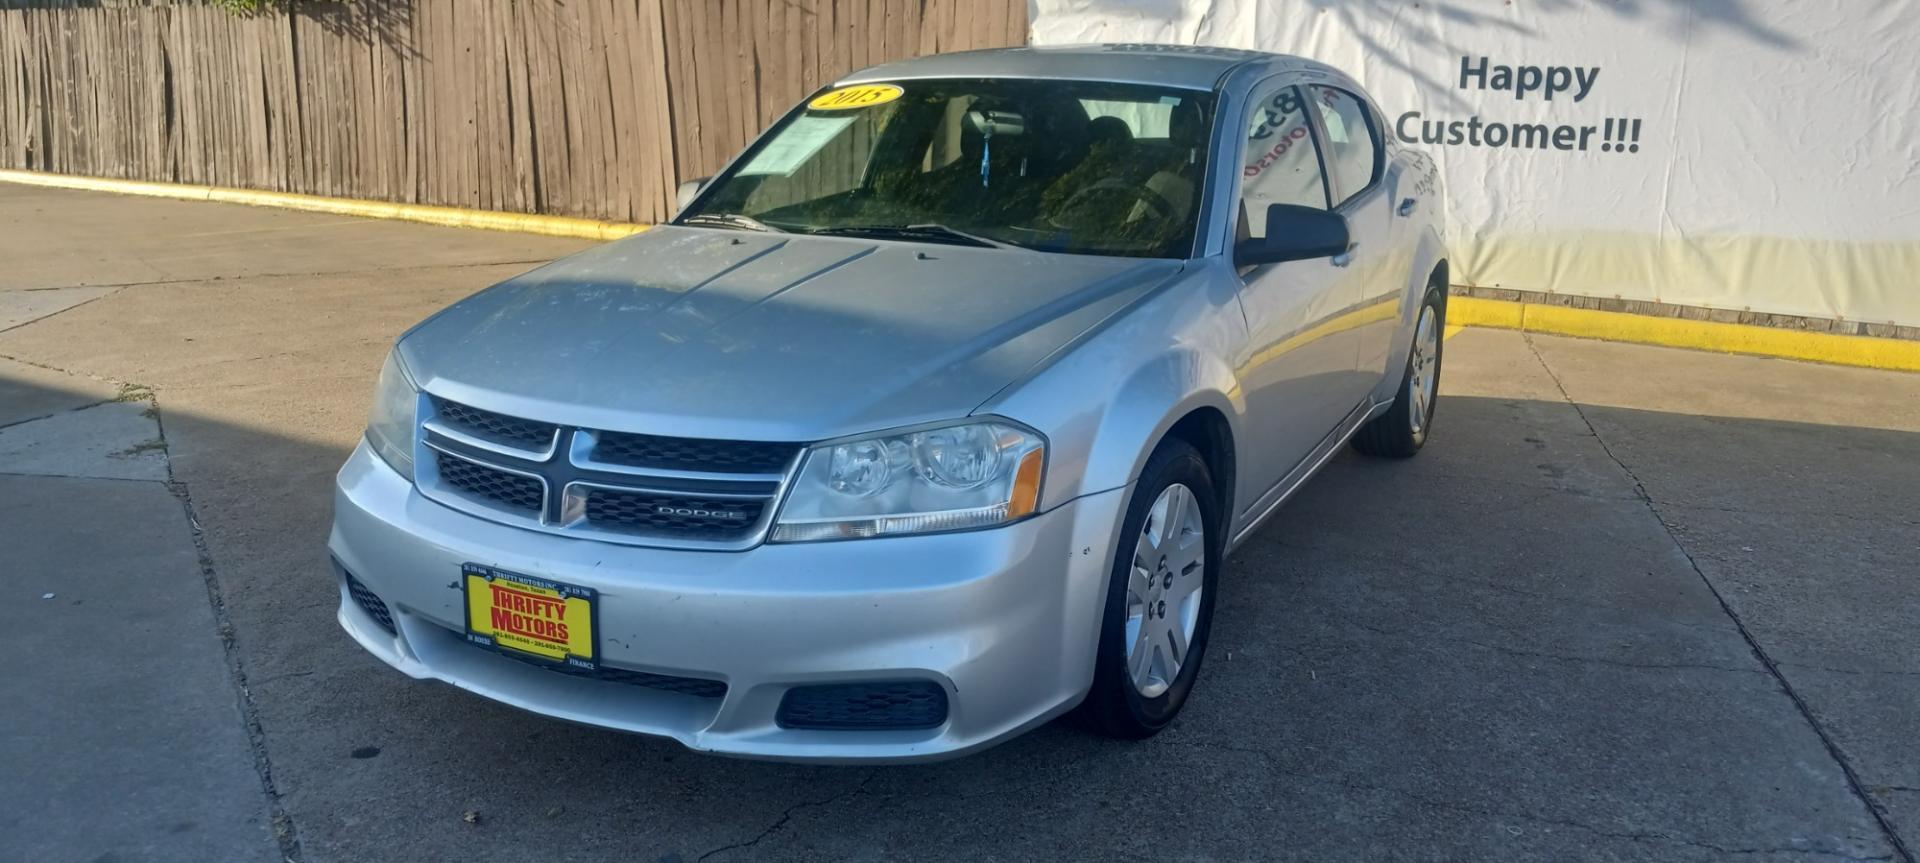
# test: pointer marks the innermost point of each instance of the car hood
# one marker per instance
(728, 334)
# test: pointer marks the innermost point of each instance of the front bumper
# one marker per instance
(1005, 620)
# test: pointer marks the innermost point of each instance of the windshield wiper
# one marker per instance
(929, 233)
(736, 221)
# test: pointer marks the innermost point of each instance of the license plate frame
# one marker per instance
(531, 618)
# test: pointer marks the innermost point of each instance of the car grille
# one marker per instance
(370, 603)
(508, 490)
(870, 706)
(498, 428)
(675, 453)
(611, 485)
(670, 514)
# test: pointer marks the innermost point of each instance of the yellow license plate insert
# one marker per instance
(531, 616)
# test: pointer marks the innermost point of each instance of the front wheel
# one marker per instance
(1160, 597)
(1402, 430)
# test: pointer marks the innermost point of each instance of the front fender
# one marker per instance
(1109, 399)
(1117, 441)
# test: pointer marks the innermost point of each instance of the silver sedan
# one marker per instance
(932, 417)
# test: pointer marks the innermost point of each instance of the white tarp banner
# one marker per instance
(1733, 154)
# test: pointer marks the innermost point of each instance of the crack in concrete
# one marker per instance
(1274, 765)
(787, 816)
(77, 476)
(281, 822)
(4, 426)
(1868, 671)
(1753, 643)
(1734, 510)
(40, 365)
(115, 291)
(129, 391)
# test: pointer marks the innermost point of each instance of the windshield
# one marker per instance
(1062, 166)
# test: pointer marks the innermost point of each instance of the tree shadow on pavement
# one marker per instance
(1501, 648)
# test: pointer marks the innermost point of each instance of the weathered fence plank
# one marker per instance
(594, 108)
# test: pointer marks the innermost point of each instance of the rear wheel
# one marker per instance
(1402, 430)
(1160, 597)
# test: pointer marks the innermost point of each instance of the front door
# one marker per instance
(1299, 367)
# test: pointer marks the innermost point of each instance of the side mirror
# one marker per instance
(689, 189)
(1295, 233)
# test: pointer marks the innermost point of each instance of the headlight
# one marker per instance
(948, 478)
(390, 423)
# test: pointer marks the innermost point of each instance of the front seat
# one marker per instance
(1176, 178)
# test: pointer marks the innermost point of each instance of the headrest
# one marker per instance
(1109, 130)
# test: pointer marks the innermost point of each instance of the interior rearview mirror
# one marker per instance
(1295, 233)
(996, 124)
(689, 189)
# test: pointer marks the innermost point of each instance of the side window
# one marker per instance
(1353, 146)
(1280, 166)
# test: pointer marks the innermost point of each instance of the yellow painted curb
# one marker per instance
(1862, 351)
(452, 217)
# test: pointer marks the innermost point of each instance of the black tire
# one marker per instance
(1393, 434)
(1114, 706)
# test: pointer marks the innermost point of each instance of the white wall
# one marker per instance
(1777, 163)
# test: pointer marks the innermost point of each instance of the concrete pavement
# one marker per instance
(123, 736)
(1630, 604)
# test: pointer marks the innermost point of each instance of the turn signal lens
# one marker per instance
(1026, 485)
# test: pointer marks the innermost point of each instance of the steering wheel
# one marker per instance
(1135, 193)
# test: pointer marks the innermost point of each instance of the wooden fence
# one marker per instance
(592, 108)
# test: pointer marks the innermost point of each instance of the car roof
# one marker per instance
(1188, 66)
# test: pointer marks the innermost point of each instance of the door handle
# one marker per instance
(1344, 258)
(1406, 207)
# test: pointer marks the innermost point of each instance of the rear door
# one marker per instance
(1298, 373)
(1356, 158)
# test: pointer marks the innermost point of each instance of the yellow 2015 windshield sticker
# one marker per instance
(856, 96)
